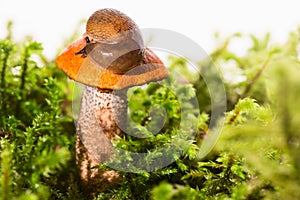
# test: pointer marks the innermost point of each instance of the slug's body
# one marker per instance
(114, 41)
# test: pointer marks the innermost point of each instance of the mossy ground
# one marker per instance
(256, 157)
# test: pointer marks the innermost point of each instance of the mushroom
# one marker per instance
(109, 59)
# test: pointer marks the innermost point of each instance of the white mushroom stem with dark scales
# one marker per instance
(102, 114)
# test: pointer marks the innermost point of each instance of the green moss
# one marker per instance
(256, 157)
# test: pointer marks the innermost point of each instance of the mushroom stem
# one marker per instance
(102, 117)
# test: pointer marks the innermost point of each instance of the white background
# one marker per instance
(52, 21)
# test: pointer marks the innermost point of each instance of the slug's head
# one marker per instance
(113, 41)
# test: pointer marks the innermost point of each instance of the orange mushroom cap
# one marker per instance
(83, 70)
